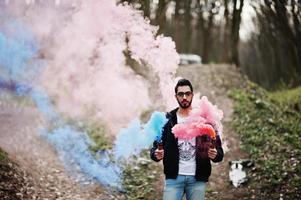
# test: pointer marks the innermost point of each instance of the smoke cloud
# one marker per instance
(81, 60)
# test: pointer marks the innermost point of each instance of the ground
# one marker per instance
(36, 173)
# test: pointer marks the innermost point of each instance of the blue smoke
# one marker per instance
(136, 137)
(18, 66)
(44, 105)
(73, 148)
(18, 49)
(154, 126)
(19, 89)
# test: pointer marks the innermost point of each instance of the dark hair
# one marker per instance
(183, 82)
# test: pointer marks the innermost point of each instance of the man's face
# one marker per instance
(184, 96)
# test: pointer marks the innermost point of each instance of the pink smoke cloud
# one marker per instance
(83, 44)
(204, 119)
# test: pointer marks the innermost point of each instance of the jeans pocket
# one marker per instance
(170, 181)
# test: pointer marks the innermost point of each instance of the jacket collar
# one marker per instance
(172, 115)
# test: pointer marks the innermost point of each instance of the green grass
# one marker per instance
(3, 155)
(139, 178)
(270, 128)
(290, 98)
(97, 133)
(18, 100)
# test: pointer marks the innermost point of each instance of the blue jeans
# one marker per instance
(175, 188)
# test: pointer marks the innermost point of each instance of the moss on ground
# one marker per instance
(270, 128)
(3, 155)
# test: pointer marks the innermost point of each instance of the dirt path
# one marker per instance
(19, 138)
(214, 81)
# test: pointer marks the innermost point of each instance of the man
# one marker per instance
(185, 171)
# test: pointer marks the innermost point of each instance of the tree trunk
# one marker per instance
(207, 36)
(200, 30)
(187, 21)
(225, 51)
(146, 8)
(297, 28)
(177, 27)
(161, 16)
(236, 19)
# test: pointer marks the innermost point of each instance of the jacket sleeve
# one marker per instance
(152, 151)
(220, 152)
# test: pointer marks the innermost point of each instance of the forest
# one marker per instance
(262, 38)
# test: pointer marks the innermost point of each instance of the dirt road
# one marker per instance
(20, 122)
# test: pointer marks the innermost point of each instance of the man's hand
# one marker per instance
(212, 153)
(159, 154)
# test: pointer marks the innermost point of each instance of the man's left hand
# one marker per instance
(212, 153)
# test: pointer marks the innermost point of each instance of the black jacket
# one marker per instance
(171, 153)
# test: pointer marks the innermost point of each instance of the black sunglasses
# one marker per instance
(187, 94)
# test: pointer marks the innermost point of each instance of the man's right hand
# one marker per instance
(159, 154)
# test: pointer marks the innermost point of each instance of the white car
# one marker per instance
(187, 59)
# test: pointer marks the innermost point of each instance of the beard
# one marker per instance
(184, 104)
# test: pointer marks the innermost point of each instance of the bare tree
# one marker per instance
(161, 15)
(187, 24)
(277, 41)
(225, 53)
(236, 19)
(145, 6)
(207, 30)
